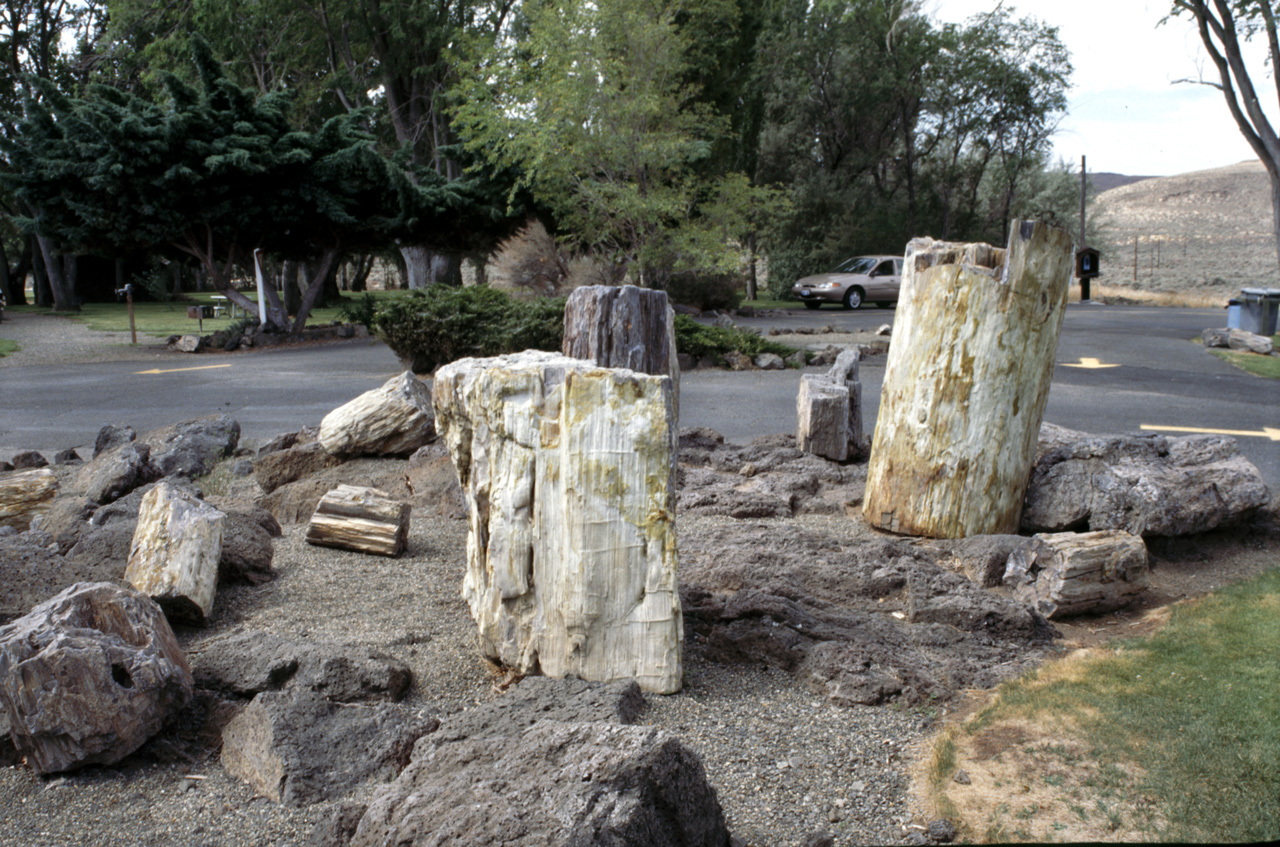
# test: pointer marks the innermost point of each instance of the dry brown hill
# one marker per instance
(1206, 231)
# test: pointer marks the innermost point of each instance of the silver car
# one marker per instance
(862, 279)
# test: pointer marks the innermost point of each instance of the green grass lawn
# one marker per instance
(7, 346)
(1176, 736)
(161, 320)
(1264, 366)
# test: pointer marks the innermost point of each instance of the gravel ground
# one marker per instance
(46, 340)
(786, 764)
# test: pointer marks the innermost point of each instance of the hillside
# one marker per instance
(1208, 231)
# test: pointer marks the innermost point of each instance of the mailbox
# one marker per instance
(198, 312)
(1087, 266)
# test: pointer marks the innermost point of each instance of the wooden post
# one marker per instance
(1135, 258)
(1084, 281)
(128, 298)
(966, 383)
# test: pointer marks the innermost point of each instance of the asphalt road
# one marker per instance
(1159, 379)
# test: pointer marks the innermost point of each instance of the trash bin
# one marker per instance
(1233, 314)
(1258, 310)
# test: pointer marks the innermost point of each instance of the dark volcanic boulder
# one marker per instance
(192, 448)
(298, 748)
(248, 662)
(1143, 484)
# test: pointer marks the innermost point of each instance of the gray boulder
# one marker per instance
(548, 763)
(89, 676)
(193, 448)
(110, 437)
(247, 550)
(1144, 484)
(117, 471)
(247, 663)
(297, 748)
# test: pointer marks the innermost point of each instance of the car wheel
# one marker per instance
(853, 298)
(811, 304)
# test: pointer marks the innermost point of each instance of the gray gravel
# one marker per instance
(785, 764)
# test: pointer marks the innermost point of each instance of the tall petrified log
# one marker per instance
(966, 383)
(623, 327)
(569, 474)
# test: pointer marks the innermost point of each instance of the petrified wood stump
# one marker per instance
(829, 410)
(362, 519)
(25, 494)
(1074, 573)
(89, 675)
(175, 553)
(966, 383)
(622, 326)
(569, 474)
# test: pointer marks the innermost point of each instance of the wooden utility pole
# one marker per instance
(966, 383)
(1084, 282)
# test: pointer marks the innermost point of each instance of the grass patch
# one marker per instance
(1267, 367)
(7, 347)
(1174, 737)
(1142, 297)
(160, 320)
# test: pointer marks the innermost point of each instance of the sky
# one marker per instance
(1125, 113)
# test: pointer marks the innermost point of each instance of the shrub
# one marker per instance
(361, 310)
(706, 290)
(713, 342)
(431, 327)
(529, 264)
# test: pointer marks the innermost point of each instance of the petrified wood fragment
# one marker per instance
(393, 420)
(25, 494)
(175, 552)
(363, 519)
(1072, 573)
(90, 675)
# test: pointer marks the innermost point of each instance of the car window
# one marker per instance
(886, 268)
(856, 265)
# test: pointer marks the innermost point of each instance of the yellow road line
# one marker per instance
(179, 370)
(1089, 364)
(1265, 432)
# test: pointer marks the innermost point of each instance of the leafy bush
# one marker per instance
(362, 310)
(707, 290)
(713, 342)
(437, 325)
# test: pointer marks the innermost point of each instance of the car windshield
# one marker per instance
(856, 265)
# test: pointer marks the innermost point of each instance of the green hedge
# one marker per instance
(435, 326)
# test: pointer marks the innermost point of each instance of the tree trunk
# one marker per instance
(177, 278)
(966, 383)
(362, 519)
(752, 279)
(323, 271)
(416, 266)
(5, 279)
(39, 278)
(18, 283)
(289, 285)
(445, 268)
(61, 293)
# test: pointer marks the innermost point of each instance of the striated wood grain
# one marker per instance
(966, 383)
(363, 519)
(1074, 573)
(25, 494)
(569, 474)
(175, 553)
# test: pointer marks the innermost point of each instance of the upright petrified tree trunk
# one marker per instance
(569, 474)
(966, 383)
(623, 327)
